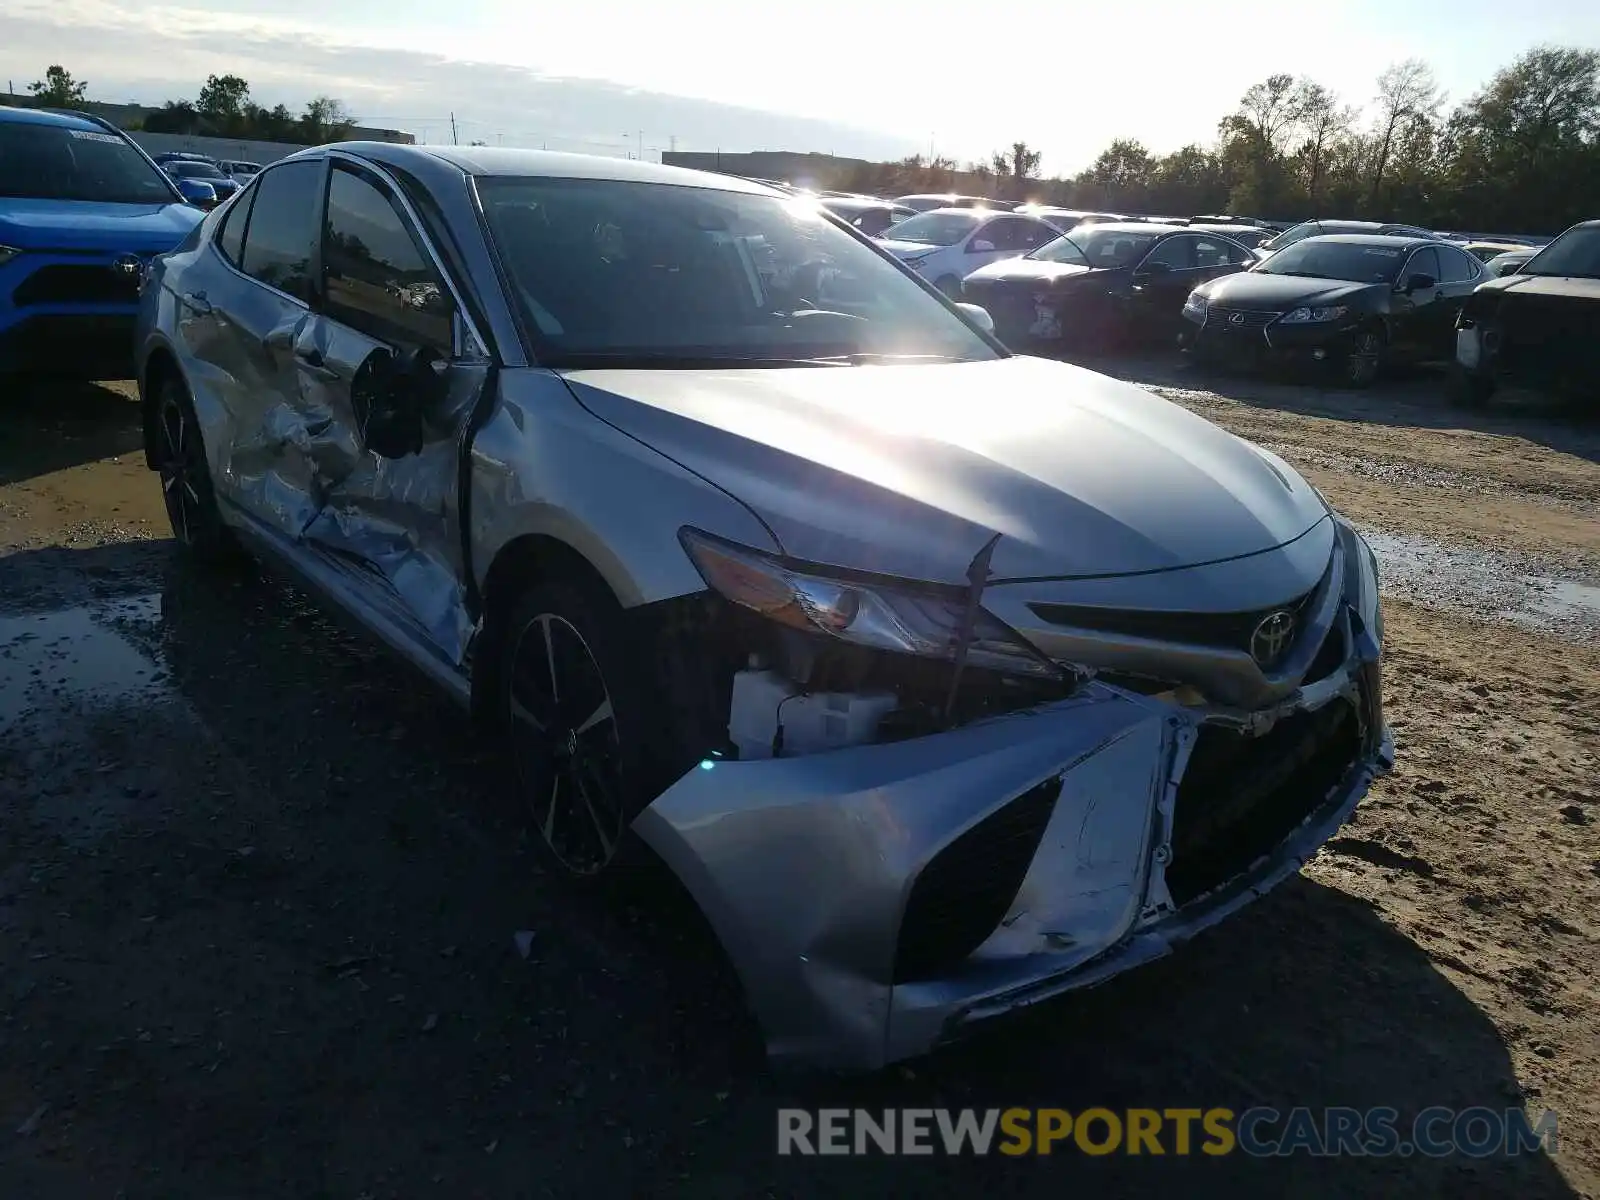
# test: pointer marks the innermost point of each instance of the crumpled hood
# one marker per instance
(908, 470)
(1029, 270)
(1255, 289)
(87, 225)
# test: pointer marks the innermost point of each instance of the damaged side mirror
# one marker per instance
(392, 393)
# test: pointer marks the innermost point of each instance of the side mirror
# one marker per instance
(978, 315)
(1420, 283)
(391, 395)
(198, 192)
(980, 246)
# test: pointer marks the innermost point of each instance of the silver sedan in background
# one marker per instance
(946, 680)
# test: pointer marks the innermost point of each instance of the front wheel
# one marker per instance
(1362, 361)
(575, 712)
(186, 489)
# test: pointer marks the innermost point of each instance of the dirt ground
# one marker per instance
(259, 908)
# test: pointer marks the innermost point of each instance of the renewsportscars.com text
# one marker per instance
(1258, 1132)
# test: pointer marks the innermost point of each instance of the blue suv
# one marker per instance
(82, 210)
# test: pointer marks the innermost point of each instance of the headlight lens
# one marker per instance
(1195, 305)
(1306, 316)
(7, 253)
(902, 618)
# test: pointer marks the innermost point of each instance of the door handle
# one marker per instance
(197, 302)
(314, 365)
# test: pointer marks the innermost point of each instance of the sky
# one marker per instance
(620, 76)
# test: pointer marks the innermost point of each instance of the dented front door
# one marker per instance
(390, 510)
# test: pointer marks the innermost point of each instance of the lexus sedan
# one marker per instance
(1322, 228)
(1348, 303)
(871, 217)
(1102, 286)
(945, 680)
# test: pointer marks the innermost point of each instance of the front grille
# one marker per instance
(1222, 319)
(1229, 631)
(77, 283)
(964, 892)
(1241, 796)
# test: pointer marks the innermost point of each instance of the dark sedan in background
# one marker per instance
(189, 168)
(1321, 228)
(1343, 301)
(1538, 328)
(871, 217)
(1102, 286)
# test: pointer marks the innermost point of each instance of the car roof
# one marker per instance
(1393, 241)
(39, 116)
(1139, 227)
(855, 203)
(536, 164)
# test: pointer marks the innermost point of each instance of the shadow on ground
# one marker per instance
(258, 905)
(47, 426)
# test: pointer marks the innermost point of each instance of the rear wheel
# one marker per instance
(186, 490)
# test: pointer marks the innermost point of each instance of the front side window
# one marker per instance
(57, 162)
(1175, 254)
(283, 228)
(1323, 258)
(610, 270)
(937, 228)
(1425, 262)
(377, 277)
(1576, 253)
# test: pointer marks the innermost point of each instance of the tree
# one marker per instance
(1018, 163)
(1268, 113)
(1121, 176)
(175, 116)
(1405, 90)
(1323, 122)
(325, 120)
(222, 100)
(58, 89)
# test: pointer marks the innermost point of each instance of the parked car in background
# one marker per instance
(1484, 251)
(1317, 228)
(222, 184)
(946, 680)
(1249, 236)
(1351, 303)
(928, 202)
(1537, 328)
(871, 217)
(1102, 286)
(239, 171)
(945, 245)
(1066, 218)
(1510, 262)
(82, 210)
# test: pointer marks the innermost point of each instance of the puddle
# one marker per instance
(67, 678)
(1485, 584)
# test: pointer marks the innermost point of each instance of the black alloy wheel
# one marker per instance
(563, 692)
(186, 478)
(1363, 359)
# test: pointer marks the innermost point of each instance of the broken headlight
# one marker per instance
(899, 616)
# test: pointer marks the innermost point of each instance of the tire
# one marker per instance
(573, 701)
(1363, 359)
(1468, 389)
(180, 460)
(949, 285)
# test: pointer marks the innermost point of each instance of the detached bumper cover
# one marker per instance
(808, 868)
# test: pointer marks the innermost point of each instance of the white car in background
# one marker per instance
(239, 171)
(946, 245)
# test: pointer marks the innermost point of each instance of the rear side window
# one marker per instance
(230, 240)
(378, 278)
(1457, 267)
(283, 228)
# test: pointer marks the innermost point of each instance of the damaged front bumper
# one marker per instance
(880, 900)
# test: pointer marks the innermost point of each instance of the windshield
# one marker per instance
(1319, 258)
(937, 228)
(612, 271)
(56, 162)
(1575, 253)
(185, 169)
(1092, 246)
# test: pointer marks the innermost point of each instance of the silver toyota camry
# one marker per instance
(946, 680)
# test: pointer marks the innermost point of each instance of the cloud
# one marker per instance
(165, 52)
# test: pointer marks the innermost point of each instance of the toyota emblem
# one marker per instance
(1272, 636)
(1236, 319)
(130, 266)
